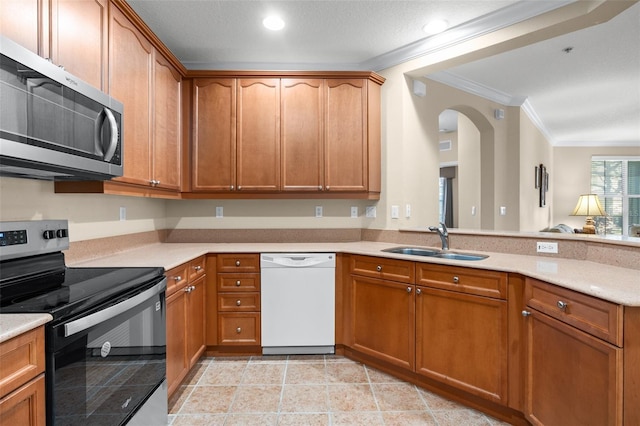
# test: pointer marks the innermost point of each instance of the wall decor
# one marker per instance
(542, 183)
(537, 177)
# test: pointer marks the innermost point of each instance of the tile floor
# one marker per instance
(307, 390)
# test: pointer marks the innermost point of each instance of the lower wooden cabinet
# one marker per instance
(461, 340)
(186, 298)
(22, 391)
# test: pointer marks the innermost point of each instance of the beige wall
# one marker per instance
(572, 177)
(469, 185)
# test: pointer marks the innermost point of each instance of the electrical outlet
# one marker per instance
(219, 212)
(546, 247)
(395, 212)
(354, 211)
(123, 213)
(318, 211)
(370, 211)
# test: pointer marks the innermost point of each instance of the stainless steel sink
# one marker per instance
(418, 251)
(414, 251)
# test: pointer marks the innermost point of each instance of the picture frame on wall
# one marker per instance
(537, 177)
(543, 184)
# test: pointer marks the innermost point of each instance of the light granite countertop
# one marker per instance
(618, 285)
(12, 325)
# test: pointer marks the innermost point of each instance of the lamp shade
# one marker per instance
(588, 205)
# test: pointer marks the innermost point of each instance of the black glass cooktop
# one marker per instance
(50, 287)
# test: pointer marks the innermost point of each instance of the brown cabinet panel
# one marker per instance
(258, 134)
(388, 269)
(177, 362)
(238, 302)
(167, 112)
(461, 340)
(214, 134)
(130, 81)
(21, 359)
(302, 134)
(79, 38)
(239, 262)
(466, 280)
(197, 268)
(176, 278)
(383, 320)
(572, 378)
(239, 328)
(595, 316)
(346, 135)
(25, 406)
(195, 329)
(21, 21)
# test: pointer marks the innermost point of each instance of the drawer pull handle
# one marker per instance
(456, 280)
(197, 268)
(379, 268)
(562, 305)
(189, 289)
(238, 303)
(238, 283)
(238, 330)
(526, 313)
(237, 263)
(408, 289)
(177, 278)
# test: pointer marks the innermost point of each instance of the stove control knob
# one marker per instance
(48, 235)
(62, 233)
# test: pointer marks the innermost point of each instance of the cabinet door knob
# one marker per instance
(562, 305)
(238, 303)
(197, 268)
(456, 280)
(188, 289)
(232, 187)
(526, 313)
(408, 289)
(238, 283)
(238, 330)
(379, 268)
(327, 187)
(319, 187)
(418, 291)
(177, 278)
(237, 263)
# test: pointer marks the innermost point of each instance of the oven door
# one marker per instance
(105, 366)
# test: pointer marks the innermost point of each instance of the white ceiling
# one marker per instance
(590, 96)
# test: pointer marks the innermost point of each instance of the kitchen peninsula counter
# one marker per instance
(612, 283)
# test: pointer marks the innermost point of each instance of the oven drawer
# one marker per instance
(239, 302)
(21, 359)
(239, 329)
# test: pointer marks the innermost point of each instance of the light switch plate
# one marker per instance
(354, 211)
(407, 211)
(318, 211)
(123, 213)
(219, 212)
(546, 247)
(395, 212)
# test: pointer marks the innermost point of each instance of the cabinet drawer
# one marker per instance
(238, 282)
(197, 268)
(464, 280)
(239, 329)
(242, 262)
(176, 278)
(592, 315)
(26, 405)
(239, 302)
(21, 359)
(388, 269)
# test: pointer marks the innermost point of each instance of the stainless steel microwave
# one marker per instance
(53, 125)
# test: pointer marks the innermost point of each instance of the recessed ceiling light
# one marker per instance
(436, 26)
(273, 23)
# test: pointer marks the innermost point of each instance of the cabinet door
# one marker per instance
(21, 21)
(346, 137)
(302, 135)
(166, 124)
(572, 378)
(195, 322)
(382, 318)
(177, 362)
(81, 47)
(25, 406)
(214, 134)
(258, 137)
(131, 64)
(461, 340)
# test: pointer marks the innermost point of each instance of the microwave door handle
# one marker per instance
(113, 143)
(89, 321)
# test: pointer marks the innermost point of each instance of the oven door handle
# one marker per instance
(89, 321)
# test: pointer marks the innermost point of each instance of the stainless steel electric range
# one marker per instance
(106, 346)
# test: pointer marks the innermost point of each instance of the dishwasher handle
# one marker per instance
(298, 260)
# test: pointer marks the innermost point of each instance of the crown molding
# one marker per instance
(470, 86)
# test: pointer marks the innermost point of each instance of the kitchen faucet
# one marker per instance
(443, 233)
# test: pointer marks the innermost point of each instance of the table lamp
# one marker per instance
(589, 206)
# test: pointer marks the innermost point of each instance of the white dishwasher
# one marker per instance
(297, 300)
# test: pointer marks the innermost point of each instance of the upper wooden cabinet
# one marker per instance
(71, 33)
(314, 135)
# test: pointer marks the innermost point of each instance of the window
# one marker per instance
(616, 180)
